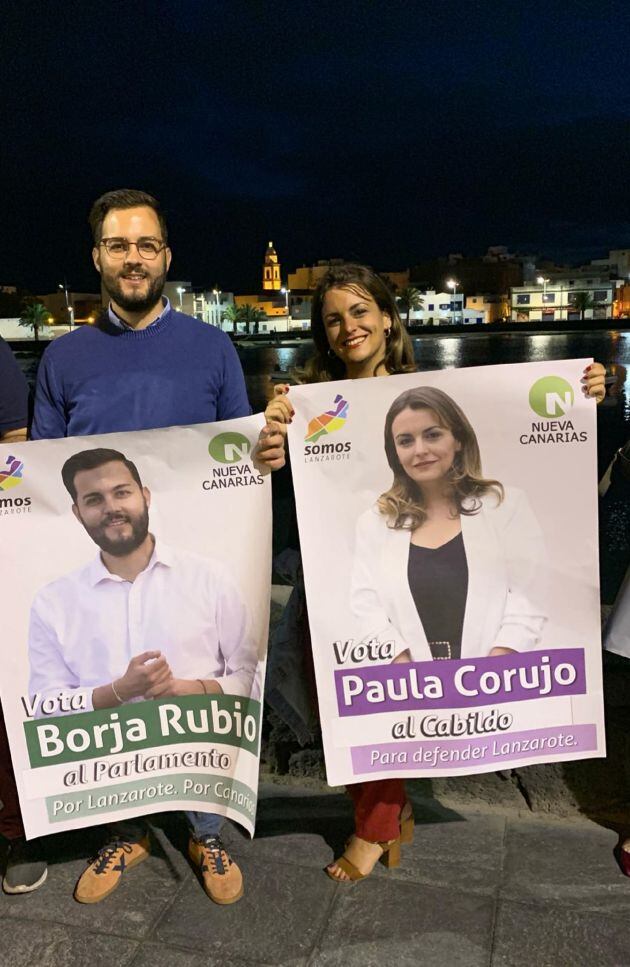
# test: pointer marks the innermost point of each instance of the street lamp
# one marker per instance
(541, 280)
(285, 292)
(452, 284)
(180, 291)
(69, 309)
(217, 293)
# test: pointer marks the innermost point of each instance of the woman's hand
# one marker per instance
(593, 381)
(279, 409)
(496, 652)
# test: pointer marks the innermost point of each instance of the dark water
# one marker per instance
(610, 347)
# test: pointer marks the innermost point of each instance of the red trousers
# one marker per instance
(10, 817)
(377, 808)
(377, 803)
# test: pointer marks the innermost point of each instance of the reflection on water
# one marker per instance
(612, 348)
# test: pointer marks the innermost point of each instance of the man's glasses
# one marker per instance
(117, 248)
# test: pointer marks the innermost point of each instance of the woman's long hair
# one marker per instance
(324, 365)
(403, 503)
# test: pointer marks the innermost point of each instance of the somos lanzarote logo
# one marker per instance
(551, 397)
(328, 422)
(323, 425)
(232, 450)
(12, 474)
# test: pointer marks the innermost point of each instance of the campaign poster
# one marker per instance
(135, 577)
(448, 527)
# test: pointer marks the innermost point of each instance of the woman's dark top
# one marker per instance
(438, 581)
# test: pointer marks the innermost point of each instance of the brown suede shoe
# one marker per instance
(221, 877)
(105, 872)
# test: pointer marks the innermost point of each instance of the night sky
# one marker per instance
(386, 132)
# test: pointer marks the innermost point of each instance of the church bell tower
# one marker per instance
(271, 270)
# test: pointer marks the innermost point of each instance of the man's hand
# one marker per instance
(269, 451)
(594, 381)
(145, 673)
(496, 652)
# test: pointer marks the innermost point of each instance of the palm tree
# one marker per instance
(34, 316)
(250, 314)
(410, 298)
(231, 314)
(582, 301)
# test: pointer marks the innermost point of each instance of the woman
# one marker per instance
(358, 333)
(447, 563)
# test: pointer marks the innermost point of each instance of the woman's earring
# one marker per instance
(330, 352)
(388, 333)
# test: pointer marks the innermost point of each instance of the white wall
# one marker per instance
(442, 312)
(11, 329)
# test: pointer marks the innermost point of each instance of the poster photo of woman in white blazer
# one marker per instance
(448, 563)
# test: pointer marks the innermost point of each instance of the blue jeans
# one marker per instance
(200, 825)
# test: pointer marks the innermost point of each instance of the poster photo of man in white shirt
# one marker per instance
(141, 620)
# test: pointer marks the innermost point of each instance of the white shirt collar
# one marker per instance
(121, 324)
(97, 572)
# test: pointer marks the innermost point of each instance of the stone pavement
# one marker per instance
(475, 889)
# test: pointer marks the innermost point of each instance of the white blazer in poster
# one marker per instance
(448, 526)
(135, 577)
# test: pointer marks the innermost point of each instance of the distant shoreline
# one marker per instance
(302, 336)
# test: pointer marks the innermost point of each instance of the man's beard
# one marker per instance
(135, 301)
(121, 546)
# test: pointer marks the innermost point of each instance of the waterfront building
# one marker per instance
(621, 309)
(569, 298)
(495, 308)
(208, 305)
(68, 307)
(442, 309)
(616, 265)
(494, 273)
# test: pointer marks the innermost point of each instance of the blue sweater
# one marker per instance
(102, 379)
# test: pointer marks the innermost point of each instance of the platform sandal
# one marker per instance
(356, 850)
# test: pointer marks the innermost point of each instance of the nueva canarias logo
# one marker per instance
(12, 475)
(232, 450)
(229, 447)
(551, 397)
(328, 422)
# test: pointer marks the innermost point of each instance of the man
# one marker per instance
(142, 365)
(26, 869)
(141, 621)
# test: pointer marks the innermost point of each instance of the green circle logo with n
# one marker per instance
(229, 447)
(551, 396)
